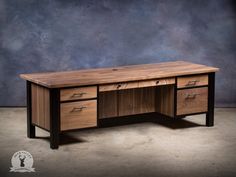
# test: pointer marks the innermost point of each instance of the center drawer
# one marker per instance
(136, 84)
(79, 114)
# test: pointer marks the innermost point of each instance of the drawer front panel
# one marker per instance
(80, 114)
(192, 81)
(138, 84)
(192, 100)
(78, 93)
(118, 86)
(156, 82)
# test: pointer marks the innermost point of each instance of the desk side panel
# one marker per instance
(40, 106)
(108, 104)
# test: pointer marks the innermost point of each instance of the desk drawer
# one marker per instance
(118, 86)
(78, 93)
(136, 84)
(156, 82)
(80, 114)
(192, 81)
(192, 100)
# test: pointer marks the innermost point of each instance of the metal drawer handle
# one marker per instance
(75, 109)
(191, 83)
(191, 96)
(78, 94)
(118, 86)
(157, 82)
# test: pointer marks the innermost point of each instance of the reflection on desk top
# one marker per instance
(116, 74)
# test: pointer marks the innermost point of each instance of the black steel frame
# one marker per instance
(54, 118)
(30, 126)
(211, 100)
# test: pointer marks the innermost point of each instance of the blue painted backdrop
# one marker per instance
(55, 35)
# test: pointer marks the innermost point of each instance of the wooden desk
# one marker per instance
(61, 101)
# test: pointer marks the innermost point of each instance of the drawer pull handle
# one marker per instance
(191, 96)
(75, 109)
(118, 86)
(192, 83)
(157, 82)
(78, 94)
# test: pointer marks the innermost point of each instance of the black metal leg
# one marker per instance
(211, 100)
(175, 99)
(54, 118)
(30, 127)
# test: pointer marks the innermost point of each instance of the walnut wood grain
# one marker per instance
(165, 100)
(192, 81)
(40, 106)
(79, 114)
(136, 101)
(192, 100)
(136, 84)
(78, 93)
(108, 102)
(116, 74)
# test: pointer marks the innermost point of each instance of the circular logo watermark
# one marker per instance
(22, 161)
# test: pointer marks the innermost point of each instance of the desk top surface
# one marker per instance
(116, 74)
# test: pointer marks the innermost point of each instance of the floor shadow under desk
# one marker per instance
(162, 120)
(65, 138)
(178, 123)
(69, 137)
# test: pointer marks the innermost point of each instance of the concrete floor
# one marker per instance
(162, 148)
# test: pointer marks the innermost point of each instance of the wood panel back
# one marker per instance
(136, 101)
(40, 106)
(108, 102)
(165, 100)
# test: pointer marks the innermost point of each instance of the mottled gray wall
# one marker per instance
(54, 35)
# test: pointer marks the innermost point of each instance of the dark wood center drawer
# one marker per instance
(192, 81)
(80, 114)
(191, 101)
(78, 93)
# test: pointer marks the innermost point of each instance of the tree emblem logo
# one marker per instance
(22, 161)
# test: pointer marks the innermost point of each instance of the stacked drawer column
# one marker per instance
(78, 107)
(195, 95)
